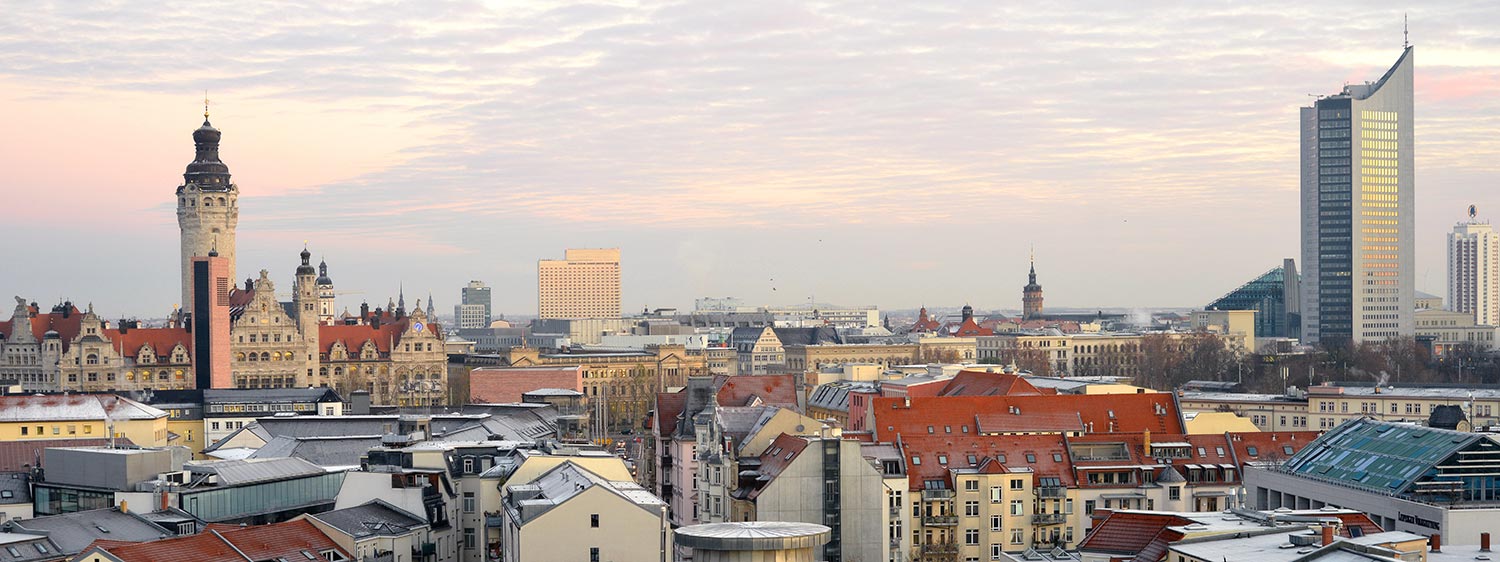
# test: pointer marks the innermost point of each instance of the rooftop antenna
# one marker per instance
(1405, 33)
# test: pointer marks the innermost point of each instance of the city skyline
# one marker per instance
(719, 168)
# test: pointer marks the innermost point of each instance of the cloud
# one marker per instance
(449, 126)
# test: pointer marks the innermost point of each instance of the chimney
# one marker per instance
(124, 506)
(1435, 542)
(1327, 534)
(1484, 542)
(1147, 438)
(166, 501)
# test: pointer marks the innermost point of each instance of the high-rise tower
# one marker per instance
(1031, 295)
(305, 299)
(1474, 270)
(207, 207)
(1358, 213)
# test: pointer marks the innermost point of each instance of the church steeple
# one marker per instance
(1031, 294)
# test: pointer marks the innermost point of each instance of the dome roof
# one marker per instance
(207, 171)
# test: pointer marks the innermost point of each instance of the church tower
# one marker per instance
(305, 299)
(207, 207)
(325, 294)
(1031, 295)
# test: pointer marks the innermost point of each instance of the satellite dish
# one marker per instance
(1473, 211)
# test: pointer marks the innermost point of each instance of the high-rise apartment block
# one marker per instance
(1358, 212)
(1474, 270)
(584, 284)
(473, 310)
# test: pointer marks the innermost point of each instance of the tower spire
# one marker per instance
(1405, 33)
(205, 105)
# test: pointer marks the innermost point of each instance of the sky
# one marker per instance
(866, 152)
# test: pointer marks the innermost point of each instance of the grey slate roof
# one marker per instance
(14, 488)
(374, 518)
(74, 531)
(250, 471)
(332, 451)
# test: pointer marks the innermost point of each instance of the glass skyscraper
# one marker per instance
(1358, 211)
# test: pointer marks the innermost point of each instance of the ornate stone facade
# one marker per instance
(69, 350)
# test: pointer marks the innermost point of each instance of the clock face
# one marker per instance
(418, 326)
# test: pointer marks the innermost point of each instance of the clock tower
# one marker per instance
(207, 207)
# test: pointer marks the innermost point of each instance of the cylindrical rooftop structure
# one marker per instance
(755, 541)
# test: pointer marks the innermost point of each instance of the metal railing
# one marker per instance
(929, 495)
(1048, 518)
(940, 520)
(940, 548)
(1051, 492)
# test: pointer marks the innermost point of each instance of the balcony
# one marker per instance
(1048, 518)
(940, 520)
(937, 495)
(493, 520)
(940, 548)
(1051, 492)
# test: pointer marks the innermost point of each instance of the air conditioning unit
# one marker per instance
(177, 477)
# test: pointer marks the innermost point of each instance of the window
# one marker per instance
(13, 552)
(1017, 484)
(1253, 452)
(995, 552)
(41, 548)
(1017, 536)
(594, 521)
(916, 460)
(1017, 507)
(1056, 457)
(1174, 493)
(942, 459)
(24, 430)
(1031, 458)
(994, 494)
(971, 485)
(971, 537)
(971, 508)
(594, 554)
(468, 502)
(994, 522)
(469, 537)
(1088, 506)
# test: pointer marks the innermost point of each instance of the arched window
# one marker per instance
(265, 356)
(254, 357)
(92, 359)
(161, 375)
(221, 201)
(208, 201)
(239, 356)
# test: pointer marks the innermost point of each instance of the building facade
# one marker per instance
(473, 310)
(1474, 270)
(584, 284)
(1358, 214)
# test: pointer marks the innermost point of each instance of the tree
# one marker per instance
(1037, 361)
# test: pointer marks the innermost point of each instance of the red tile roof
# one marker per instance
(261, 542)
(969, 328)
(1100, 413)
(981, 383)
(354, 337)
(67, 325)
(1129, 532)
(669, 405)
(772, 390)
(1269, 445)
(781, 452)
(956, 448)
(162, 340)
(499, 385)
(1032, 422)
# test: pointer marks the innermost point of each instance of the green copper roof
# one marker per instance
(1377, 456)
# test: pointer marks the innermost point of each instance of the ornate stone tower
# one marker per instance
(306, 301)
(1031, 295)
(207, 207)
(325, 294)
